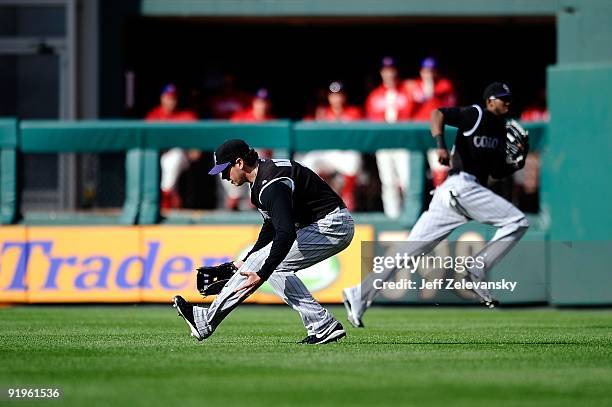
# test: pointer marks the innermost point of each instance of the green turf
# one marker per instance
(142, 355)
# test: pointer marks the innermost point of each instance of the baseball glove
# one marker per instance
(211, 280)
(517, 144)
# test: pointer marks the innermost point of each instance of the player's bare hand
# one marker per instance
(252, 282)
(443, 156)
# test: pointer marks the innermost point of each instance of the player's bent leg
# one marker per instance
(313, 244)
(320, 325)
(433, 225)
(487, 207)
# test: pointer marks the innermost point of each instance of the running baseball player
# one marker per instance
(305, 222)
(485, 145)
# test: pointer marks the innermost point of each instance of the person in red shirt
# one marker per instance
(536, 111)
(167, 110)
(228, 100)
(390, 103)
(429, 92)
(260, 109)
(344, 162)
(174, 161)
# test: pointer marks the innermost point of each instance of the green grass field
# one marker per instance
(142, 355)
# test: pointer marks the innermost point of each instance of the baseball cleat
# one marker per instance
(350, 302)
(490, 304)
(185, 310)
(485, 296)
(332, 335)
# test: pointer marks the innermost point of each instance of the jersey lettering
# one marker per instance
(485, 142)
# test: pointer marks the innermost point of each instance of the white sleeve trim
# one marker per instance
(473, 129)
(289, 184)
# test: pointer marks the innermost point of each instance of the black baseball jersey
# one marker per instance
(481, 136)
(288, 196)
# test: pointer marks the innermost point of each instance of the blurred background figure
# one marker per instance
(329, 163)
(428, 92)
(390, 103)
(174, 161)
(536, 111)
(227, 100)
(526, 191)
(257, 111)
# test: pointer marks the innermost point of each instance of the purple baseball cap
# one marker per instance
(388, 62)
(227, 153)
(169, 89)
(429, 63)
(262, 93)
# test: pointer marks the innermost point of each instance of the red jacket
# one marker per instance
(534, 114)
(180, 115)
(443, 96)
(349, 113)
(376, 104)
(247, 116)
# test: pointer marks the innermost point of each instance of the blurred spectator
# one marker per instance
(428, 92)
(168, 107)
(259, 110)
(327, 163)
(228, 100)
(389, 102)
(527, 180)
(174, 161)
(537, 111)
(527, 185)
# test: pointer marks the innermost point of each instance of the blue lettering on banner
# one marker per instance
(147, 269)
(178, 265)
(100, 273)
(94, 271)
(54, 267)
(18, 283)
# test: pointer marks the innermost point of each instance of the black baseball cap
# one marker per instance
(227, 154)
(497, 90)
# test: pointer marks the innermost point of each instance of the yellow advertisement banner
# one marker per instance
(13, 264)
(143, 263)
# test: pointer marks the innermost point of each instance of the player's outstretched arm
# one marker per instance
(437, 132)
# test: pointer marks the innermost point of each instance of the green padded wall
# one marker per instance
(576, 183)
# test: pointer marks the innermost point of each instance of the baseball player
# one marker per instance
(305, 222)
(481, 150)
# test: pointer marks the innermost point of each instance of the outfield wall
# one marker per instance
(142, 263)
(64, 263)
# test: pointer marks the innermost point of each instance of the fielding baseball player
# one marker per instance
(305, 222)
(485, 145)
